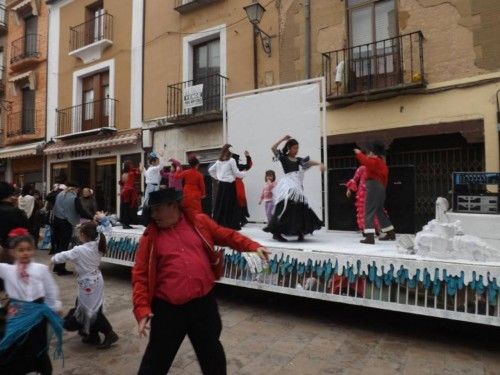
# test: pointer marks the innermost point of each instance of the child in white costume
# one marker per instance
(87, 258)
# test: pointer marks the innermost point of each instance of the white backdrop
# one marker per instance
(256, 121)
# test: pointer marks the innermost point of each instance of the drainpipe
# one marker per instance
(255, 62)
(255, 33)
(307, 39)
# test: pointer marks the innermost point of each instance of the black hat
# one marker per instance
(6, 190)
(377, 148)
(164, 196)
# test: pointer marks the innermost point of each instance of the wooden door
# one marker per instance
(96, 104)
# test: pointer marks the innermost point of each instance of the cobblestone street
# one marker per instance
(269, 334)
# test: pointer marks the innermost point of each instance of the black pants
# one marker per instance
(62, 232)
(200, 320)
(128, 214)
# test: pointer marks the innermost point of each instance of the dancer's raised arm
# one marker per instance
(274, 148)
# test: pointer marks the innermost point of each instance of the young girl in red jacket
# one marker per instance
(377, 175)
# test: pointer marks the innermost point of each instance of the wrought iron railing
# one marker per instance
(26, 47)
(26, 122)
(92, 31)
(87, 116)
(196, 98)
(389, 64)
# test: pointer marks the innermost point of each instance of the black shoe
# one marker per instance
(389, 236)
(126, 226)
(64, 272)
(109, 340)
(279, 237)
(92, 339)
(369, 239)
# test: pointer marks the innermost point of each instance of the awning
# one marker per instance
(24, 3)
(30, 76)
(29, 149)
(96, 141)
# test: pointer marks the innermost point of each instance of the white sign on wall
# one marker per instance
(192, 96)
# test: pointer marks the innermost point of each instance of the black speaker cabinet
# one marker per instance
(341, 210)
(400, 198)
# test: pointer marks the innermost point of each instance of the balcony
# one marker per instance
(3, 19)
(196, 100)
(88, 40)
(185, 6)
(25, 52)
(87, 118)
(24, 126)
(375, 70)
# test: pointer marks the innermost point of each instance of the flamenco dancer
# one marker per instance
(357, 185)
(240, 186)
(292, 215)
(194, 186)
(128, 194)
(227, 211)
(376, 182)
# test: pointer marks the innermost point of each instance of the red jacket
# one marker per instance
(144, 270)
(376, 169)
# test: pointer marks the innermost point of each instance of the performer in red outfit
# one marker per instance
(128, 194)
(172, 282)
(357, 185)
(194, 186)
(377, 175)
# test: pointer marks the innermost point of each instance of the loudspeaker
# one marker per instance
(341, 210)
(400, 198)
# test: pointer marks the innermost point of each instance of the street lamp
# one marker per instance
(254, 12)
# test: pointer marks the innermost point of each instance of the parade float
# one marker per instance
(448, 270)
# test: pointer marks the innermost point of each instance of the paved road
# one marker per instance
(270, 334)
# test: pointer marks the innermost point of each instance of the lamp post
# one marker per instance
(254, 12)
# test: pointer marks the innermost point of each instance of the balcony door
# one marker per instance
(206, 70)
(95, 101)
(374, 60)
(28, 111)
(30, 36)
(94, 30)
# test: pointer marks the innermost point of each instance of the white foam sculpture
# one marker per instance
(443, 239)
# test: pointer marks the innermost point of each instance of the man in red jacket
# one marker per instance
(172, 280)
(377, 176)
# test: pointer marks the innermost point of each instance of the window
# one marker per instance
(28, 111)
(30, 36)
(374, 48)
(206, 70)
